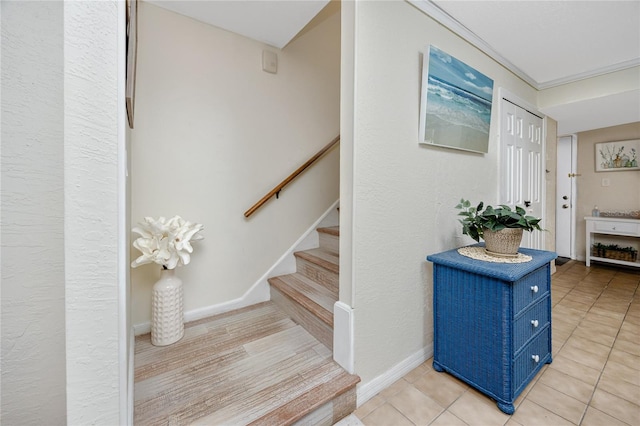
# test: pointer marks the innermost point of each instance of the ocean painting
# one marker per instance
(456, 103)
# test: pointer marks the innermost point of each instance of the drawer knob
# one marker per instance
(534, 288)
(535, 358)
(534, 323)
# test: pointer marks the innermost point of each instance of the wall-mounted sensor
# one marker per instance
(269, 62)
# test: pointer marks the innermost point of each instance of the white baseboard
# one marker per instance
(343, 347)
(260, 291)
(366, 391)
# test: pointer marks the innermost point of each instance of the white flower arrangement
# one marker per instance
(165, 242)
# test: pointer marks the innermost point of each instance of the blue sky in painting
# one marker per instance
(447, 68)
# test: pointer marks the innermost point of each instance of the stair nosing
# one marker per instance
(330, 230)
(350, 381)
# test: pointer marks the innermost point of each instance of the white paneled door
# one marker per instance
(565, 193)
(521, 141)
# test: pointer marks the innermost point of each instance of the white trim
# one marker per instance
(452, 24)
(260, 291)
(125, 341)
(343, 341)
(370, 389)
(455, 26)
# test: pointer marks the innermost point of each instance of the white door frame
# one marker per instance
(572, 200)
(514, 99)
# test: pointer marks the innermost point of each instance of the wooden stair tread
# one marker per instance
(295, 409)
(320, 257)
(275, 370)
(331, 230)
(312, 296)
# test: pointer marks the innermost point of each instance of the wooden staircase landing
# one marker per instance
(250, 366)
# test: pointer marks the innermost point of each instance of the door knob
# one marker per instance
(565, 206)
(527, 203)
(565, 197)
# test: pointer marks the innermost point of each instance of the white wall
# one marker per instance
(60, 173)
(403, 193)
(214, 133)
(33, 287)
(93, 172)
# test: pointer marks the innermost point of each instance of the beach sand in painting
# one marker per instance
(455, 136)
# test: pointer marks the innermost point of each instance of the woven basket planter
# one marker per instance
(608, 253)
(504, 242)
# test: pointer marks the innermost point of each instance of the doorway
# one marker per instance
(565, 196)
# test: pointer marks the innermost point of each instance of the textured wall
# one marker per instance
(623, 192)
(214, 133)
(33, 305)
(403, 193)
(91, 147)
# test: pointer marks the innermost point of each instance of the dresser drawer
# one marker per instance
(531, 358)
(530, 289)
(616, 227)
(530, 322)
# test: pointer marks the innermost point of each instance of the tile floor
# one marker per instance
(594, 378)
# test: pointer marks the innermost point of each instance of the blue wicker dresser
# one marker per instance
(492, 321)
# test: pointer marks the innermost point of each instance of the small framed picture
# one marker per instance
(617, 156)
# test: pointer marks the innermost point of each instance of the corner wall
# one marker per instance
(623, 192)
(214, 133)
(33, 239)
(404, 193)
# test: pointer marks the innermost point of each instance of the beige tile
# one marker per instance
(590, 333)
(417, 372)
(416, 406)
(366, 408)
(531, 414)
(386, 415)
(557, 402)
(572, 304)
(620, 388)
(583, 357)
(595, 417)
(625, 358)
(588, 346)
(447, 419)
(630, 347)
(609, 321)
(622, 372)
(616, 407)
(441, 387)
(394, 388)
(575, 370)
(567, 385)
(628, 336)
(607, 313)
(634, 329)
(477, 410)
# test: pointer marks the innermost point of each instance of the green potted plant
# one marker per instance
(500, 227)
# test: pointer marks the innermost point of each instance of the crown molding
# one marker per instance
(448, 21)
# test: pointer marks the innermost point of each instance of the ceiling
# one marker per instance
(546, 43)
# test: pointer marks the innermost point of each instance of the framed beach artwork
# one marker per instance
(617, 156)
(455, 107)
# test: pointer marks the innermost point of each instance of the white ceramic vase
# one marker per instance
(167, 317)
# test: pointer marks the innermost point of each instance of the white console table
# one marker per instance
(610, 226)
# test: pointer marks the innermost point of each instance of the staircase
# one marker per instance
(309, 294)
(267, 364)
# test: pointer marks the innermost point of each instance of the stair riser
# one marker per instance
(318, 274)
(331, 412)
(329, 242)
(315, 326)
